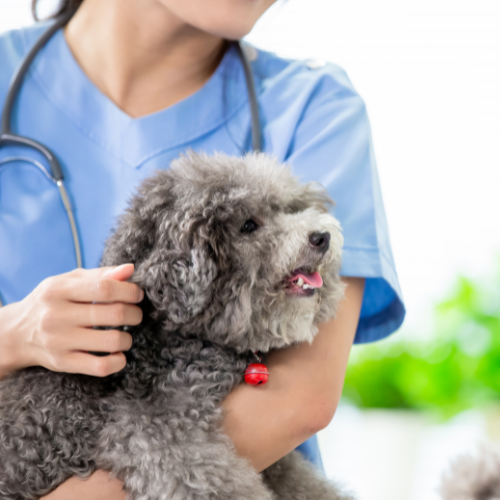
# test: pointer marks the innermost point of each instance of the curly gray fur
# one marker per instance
(213, 294)
(474, 476)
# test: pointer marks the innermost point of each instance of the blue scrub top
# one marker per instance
(312, 119)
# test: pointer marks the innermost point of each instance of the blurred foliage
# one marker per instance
(456, 369)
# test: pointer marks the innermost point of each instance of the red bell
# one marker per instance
(256, 374)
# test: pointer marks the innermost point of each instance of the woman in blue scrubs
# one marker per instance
(125, 88)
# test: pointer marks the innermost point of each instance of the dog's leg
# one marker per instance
(46, 432)
(225, 477)
(294, 478)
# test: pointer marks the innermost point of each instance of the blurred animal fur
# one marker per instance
(473, 477)
(215, 242)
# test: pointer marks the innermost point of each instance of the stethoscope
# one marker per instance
(55, 173)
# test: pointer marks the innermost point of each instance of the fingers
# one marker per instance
(64, 307)
(85, 339)
(120, 273)
(98, 290)
(88, 315)
(82, 362)
(69, 352)
(113, 314)
(93, 285)
(99, 486)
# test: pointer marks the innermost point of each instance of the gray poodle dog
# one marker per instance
(231, 253)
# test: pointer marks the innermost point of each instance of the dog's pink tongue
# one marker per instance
(313, 279)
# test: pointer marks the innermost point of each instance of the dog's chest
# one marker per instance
(185, 373)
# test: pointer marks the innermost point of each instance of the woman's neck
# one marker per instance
(141, 55)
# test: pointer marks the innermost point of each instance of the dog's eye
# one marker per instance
(249, 227)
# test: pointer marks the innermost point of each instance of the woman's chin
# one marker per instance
(228, 19)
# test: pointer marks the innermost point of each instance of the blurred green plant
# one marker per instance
(459, 368)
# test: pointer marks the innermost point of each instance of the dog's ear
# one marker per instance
(179, 285)
(138, 228)
(182, 272)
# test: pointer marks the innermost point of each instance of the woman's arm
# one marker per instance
(267, 422)
(303, 391)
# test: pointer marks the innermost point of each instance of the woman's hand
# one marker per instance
(52, 326)
(99, 486)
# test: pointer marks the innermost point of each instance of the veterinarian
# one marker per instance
(122, 90)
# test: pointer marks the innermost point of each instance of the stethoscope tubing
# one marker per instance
(252, 98)
(18, 77)
(8, 137)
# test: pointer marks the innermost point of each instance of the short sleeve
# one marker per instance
(332, 144)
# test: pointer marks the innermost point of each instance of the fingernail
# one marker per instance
(141, 295)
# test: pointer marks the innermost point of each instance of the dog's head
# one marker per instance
(233, 250)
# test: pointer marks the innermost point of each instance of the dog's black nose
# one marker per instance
(320, 240)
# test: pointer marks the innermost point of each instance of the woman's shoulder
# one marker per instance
(317, 123)
(292, 79)
(14, 45)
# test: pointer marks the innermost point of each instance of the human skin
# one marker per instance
(146, 55)
(52, 326)
(157, 52)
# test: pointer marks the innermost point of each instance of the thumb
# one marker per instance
(119, 273)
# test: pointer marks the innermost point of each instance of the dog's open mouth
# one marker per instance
(303, 282)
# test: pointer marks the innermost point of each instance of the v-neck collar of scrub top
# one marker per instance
(136, 140)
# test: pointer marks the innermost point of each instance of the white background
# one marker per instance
(429, 71)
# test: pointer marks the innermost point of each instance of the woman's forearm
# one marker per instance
(267, 422)
(10, 358)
